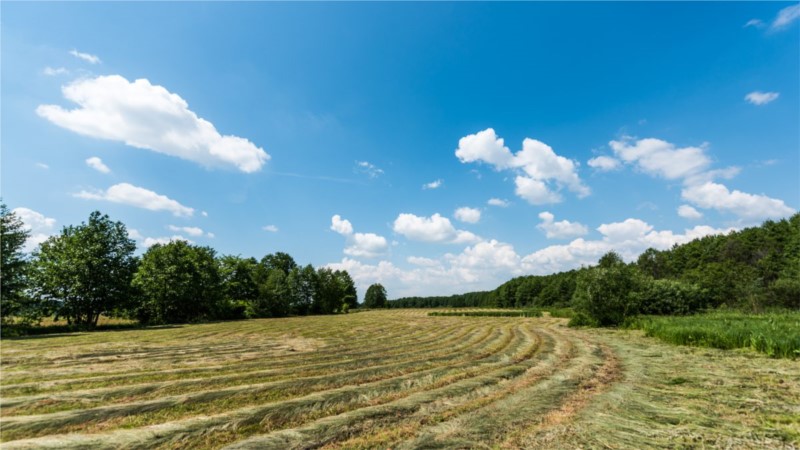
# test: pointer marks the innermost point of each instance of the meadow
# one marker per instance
(390, 379)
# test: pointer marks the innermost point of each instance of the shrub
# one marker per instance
(607, 294)
(670, 297)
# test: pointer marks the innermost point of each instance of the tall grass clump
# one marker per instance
(511, 313)
(776, 334)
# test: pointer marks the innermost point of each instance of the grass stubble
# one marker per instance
(391, 379)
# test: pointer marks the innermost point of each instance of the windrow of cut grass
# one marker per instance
(489, 313)
(775, 334)
(388, 379)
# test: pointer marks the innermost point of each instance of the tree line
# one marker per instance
(89, 270)
(755, 269)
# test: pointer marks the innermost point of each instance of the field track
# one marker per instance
(390, 379)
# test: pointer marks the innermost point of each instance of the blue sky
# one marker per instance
(372, 136)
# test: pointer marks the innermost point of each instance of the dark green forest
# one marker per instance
(754, 269)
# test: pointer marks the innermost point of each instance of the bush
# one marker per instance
(786, 293)
(670, 297)
(607, 294)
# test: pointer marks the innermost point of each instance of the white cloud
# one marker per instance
(341, 226)
(203, 213)
(545, 172)
(366, 245)
(687, 212)
(270, 228)
(535, 191)
(484, 146)
(368, 168)
(662, 159)
(91, 59)
(749, 207)
(486, 255)
(128, 194)
(148, 116)
(42, 166)
(424, 262)
(150, 241)
(498, 202)
(431, 229)
(37, 224)
(629, 238)
(759, 98)
(786, 16)
(433, 184)
(758, 23)
(604, 163)
(562, 229)
(469, 215)
(52, 72)
(97, 164)
(191, 231)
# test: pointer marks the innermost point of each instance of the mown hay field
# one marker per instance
(390, 379)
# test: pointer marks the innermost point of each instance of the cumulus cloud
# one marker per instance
(785, 17)
(629, 238)
(433, 184)
(469, 215)
(604, 163)
(750, 207)
(759, 98)
(541, 172)
(191, 231)
(270, 228)
(431, 229)
(368, 168)
(341, 226)
(424, 262)
(148, 116)
(129, 194)
(687, 212)
(91, 59)
(37, 224)
(660, 158)
(97, 164)
(366, 245)
(151, 241)
(498, 202)
(562, 229)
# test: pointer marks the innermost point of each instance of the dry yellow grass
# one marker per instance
(390, 379)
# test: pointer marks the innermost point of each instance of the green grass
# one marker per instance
(776, 334)
(493, 313)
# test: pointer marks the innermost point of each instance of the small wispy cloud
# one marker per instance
(88, 57)
(52, 72)
(368, 168)
(498, 202)
(97, 164)
(270, 228)
(42, 165)
(757, 23)
(759, 98)
(436, 184)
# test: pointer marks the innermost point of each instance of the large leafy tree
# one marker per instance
(375, 296)
(86, 270)
(178, 283)
(238, 277)
(12, 263)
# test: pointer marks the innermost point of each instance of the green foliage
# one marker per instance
(670, 297)
(607, 294)
(13, 265)
(375, 296)
(237, 276)
(775, 334)
(85, 271)
(178, 283)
